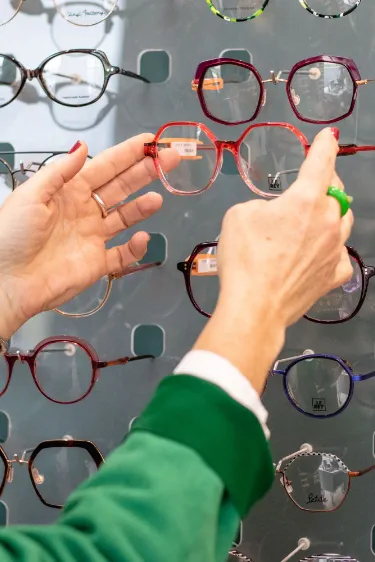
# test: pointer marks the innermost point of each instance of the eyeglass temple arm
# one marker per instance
(238, 554)
(134, 269)
(354, 474)
(350, 149)
(305, 448)
(364, 81)
(122, 361)
(363, 377)
(287, 359)
(131, 75)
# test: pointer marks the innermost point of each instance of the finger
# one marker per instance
(317, 170)
(336, 181)
(344, 270)
(333, 205)
(132, 213)
(50, 179)
(120, 257)
(115, 160)
(137, 177)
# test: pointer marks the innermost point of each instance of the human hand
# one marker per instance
(52, 233)
(275, 260)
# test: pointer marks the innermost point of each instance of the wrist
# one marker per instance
(251, 341)
(9, 320)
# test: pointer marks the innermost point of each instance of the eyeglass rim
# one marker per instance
(88, 446)
(365, 283)
(304, 4)
(219, 146)
(348, 473)
(349, 64)
(335, 358)
(236, 20)
(81, 24)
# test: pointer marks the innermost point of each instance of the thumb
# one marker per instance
(52, 177)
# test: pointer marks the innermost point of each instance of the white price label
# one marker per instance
(185, 148)
(207, 265)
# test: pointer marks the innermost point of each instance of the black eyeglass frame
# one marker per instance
(30, 74)
(88, 446)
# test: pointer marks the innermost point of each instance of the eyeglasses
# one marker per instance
(321, 89)
(243, 10)
(234, 553)
(55, 468)
(317, 482)
(75, 78)
(343, 303)
(64, 368)
(328, 558)
(11, 177)
(319, 385)
(76, 12)
(268, 156)
(94, 298)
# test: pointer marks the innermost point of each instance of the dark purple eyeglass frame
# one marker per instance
(30, 74)
(367, 271)
(343, 363)
(349, 64)
(88, 446)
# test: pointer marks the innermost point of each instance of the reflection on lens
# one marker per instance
(9, 9)
(74, 79)
(64, 371)
(88, 301)
(320, 387)
(270, 158)
(6, 181)
(340, 303)
(198, 158)
(58, 471)
(10, 80)
(331, 7)
(231, 93)
(322, 91)
(56, 157)
(317, 481)
(204, 279)
(85, 13)
(238, 9)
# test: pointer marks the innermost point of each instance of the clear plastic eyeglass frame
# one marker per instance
(36, 477)
(215, 7)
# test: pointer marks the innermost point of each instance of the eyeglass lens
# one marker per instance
(64, 371)
(238, 9)
(341, 302)
(87, 301)
(317, 482)
(331, 7)
(318, 386)
(204, 280)
(231, 92)
(85, 13)
(322, 91)
(57, 471)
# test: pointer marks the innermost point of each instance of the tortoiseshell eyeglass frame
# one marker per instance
(30, 74)
(30, 167)
(152, 149)
(34, 474)
(30, 358)
(259, 12)
(276, 78)
(305, 452)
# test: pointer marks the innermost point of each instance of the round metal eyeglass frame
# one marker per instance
(30, 74)
(328, 558)
(307, 355)
(61, 13)
(290, 459)
(259, 12)
(152, 148)
(200, 82)
(30, 358)
(35, 476)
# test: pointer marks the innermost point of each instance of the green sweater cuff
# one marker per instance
(227, 436)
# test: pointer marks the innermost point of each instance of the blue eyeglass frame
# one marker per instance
(343, 363)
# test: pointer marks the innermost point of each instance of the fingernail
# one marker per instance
(335, 132)
(75, 147)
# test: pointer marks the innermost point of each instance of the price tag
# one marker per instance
(207, 265)
(185, 148)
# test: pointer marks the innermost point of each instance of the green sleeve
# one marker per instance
(159, 497)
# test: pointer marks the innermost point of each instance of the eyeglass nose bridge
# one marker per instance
(32, 73)
(228, 145)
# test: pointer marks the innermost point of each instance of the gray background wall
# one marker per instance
(189, 33)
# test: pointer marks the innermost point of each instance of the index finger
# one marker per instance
(111, 162)
(319, 166)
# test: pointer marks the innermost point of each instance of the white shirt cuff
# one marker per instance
(217, 370)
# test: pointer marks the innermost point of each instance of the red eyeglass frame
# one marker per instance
(150, 149)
